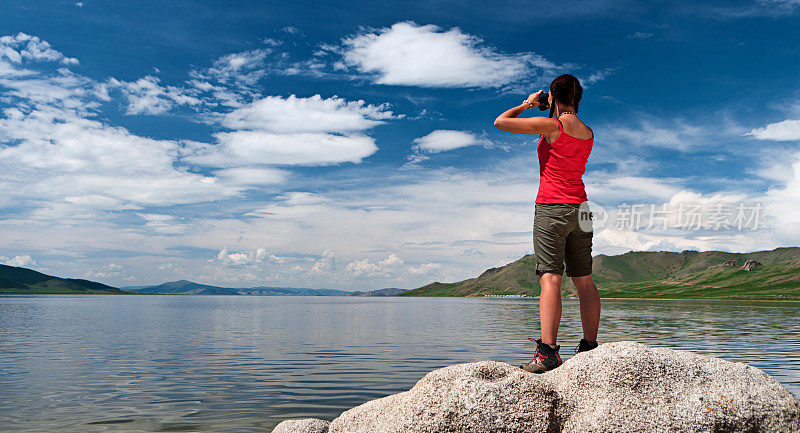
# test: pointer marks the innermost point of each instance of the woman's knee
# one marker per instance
(584, 283)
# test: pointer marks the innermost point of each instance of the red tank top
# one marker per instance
(561, 167)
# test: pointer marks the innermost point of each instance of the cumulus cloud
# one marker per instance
(147, 96)
(240, 148)
(74, 156)
(26, 47)
(238, 259)
(787, 130)
(443, 140)
(326, 264)
(781, 203)
(388, 267)
(58, 155)
(424, 55)
(392, 267)
(20, 261)
(293, 131)
(62, 89)
(111, 270)
(426, 270)
(314, 114)
(74, 164)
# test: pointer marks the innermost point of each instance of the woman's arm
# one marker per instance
(509, 122)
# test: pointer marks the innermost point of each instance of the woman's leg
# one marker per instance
(590, 306)
(550, 306)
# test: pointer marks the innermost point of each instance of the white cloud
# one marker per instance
(245, 67)
(232, 79)
(60, 159)
(787, 130)
(598, 76)
(20, 261)
(58, 154)
(781, 204)
(241, 148)
(293, 131)
(111, 270)
(147, 96)
(237, 259)
(326, 264)
(414, 55)
(426, 270)
(442, 140)
(314, 114)
(62, 89)
(26, 47)
(251, 176)
(388, 267)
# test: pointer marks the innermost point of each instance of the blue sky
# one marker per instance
(351, 145)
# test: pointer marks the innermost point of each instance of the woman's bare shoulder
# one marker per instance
(578, 129)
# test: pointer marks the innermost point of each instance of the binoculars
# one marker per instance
(543, 105)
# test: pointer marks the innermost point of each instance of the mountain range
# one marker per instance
(184, 287)
(662, 274)
(773, 274)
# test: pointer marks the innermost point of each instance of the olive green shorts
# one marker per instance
(558, 239)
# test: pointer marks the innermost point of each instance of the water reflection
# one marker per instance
(176, 363)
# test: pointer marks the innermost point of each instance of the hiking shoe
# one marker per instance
(544, 359)
(585, 346)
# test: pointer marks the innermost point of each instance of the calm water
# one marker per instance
(235, 363)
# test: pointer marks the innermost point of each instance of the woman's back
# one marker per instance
(562, 162)
(574, 127)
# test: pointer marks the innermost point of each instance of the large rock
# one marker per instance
(629, 387)
(307, 425)
(482, 397)
(622, 387)
(750, 265)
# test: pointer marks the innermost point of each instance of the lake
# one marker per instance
(244, 363)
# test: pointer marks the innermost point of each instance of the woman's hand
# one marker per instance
(534, 98)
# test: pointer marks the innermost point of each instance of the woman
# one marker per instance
(563, 150)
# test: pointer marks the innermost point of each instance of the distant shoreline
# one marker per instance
(796, 299)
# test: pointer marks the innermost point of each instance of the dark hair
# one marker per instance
(567, 90)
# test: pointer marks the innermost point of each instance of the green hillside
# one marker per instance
(663, 274)
(15, 280)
